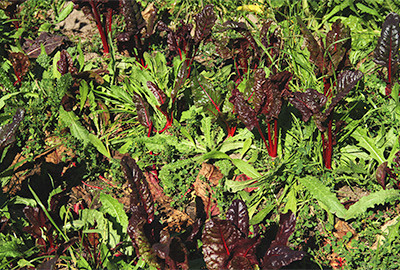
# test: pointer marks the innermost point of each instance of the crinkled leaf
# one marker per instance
(157, 92)
(316, 52)
(142, 204)
(238, 215)
(338, 44)
(268, 94)
(50, 42)
(387, 50)
(204, 21)
(345, 82)
(308, 103)
(20, 63)
(271, 41)
(219, 239)
(142, 110)
(246, 114)
(134, 21)
(179, 40)
(7, 132)
(279, 254)
(173, 252)
(66, 64)
(244, 254)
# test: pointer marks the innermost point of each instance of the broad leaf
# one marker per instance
(238, 215)
(246, 114)
(204, 21)
(279, 254)
(50, 42)
(142, 110)
(387, 50)
(308, 103)
(115, 209)
(219, 239)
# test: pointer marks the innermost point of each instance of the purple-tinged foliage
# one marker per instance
(20, 63)
(50, 42)
(204, 22)
(279, 254)
(226, 244)
(65, 64)
(7, 132)
(387, 50)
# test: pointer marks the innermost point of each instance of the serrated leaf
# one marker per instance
(373, 199)
(371, 144)
(322, 193)
(115, 209)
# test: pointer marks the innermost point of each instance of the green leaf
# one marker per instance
(379, 197)
(115, 209)
(65, 12)
(246, 168)
(235, 186)
(322, 193)
(375, 146)
(260, 216)
(70, 120)
(83, 93)
(5, 97)
(214, 154)
(246, 146)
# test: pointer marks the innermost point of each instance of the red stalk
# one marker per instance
(263, 138)
(99, 26)
(276, 137)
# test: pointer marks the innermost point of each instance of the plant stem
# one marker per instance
(263, 138)
(327, 146)
(99, 26)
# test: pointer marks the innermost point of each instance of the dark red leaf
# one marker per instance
(205, 95)
(338, 45)
(238, 215)
(315, 49)
(268, 93)
(244, 253)
(219, 239)
(387, 50)
(309, 103)
(346, 81)
(157, 92)
(142, 204)
(278, 254)
(142, 110)
(65, 64)
(7, 132)
(20, 63)
(246, 114)
(50, 42)
(172, 250)
(180, 79)
(381, 172)
(204, 21)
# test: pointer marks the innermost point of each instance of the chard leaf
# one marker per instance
(142, 110)
(219, 239)
(20, 63)
(204, 21)
(346, 81)
(387, 50)
(157, 92)
(279, 254)
(7, 132)
(142, 204)
(376, 198)
(66, 64)
(246, 114)
(316, 52)
(338, 44)
(50, 42)
(308, 103)
(238, 215)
